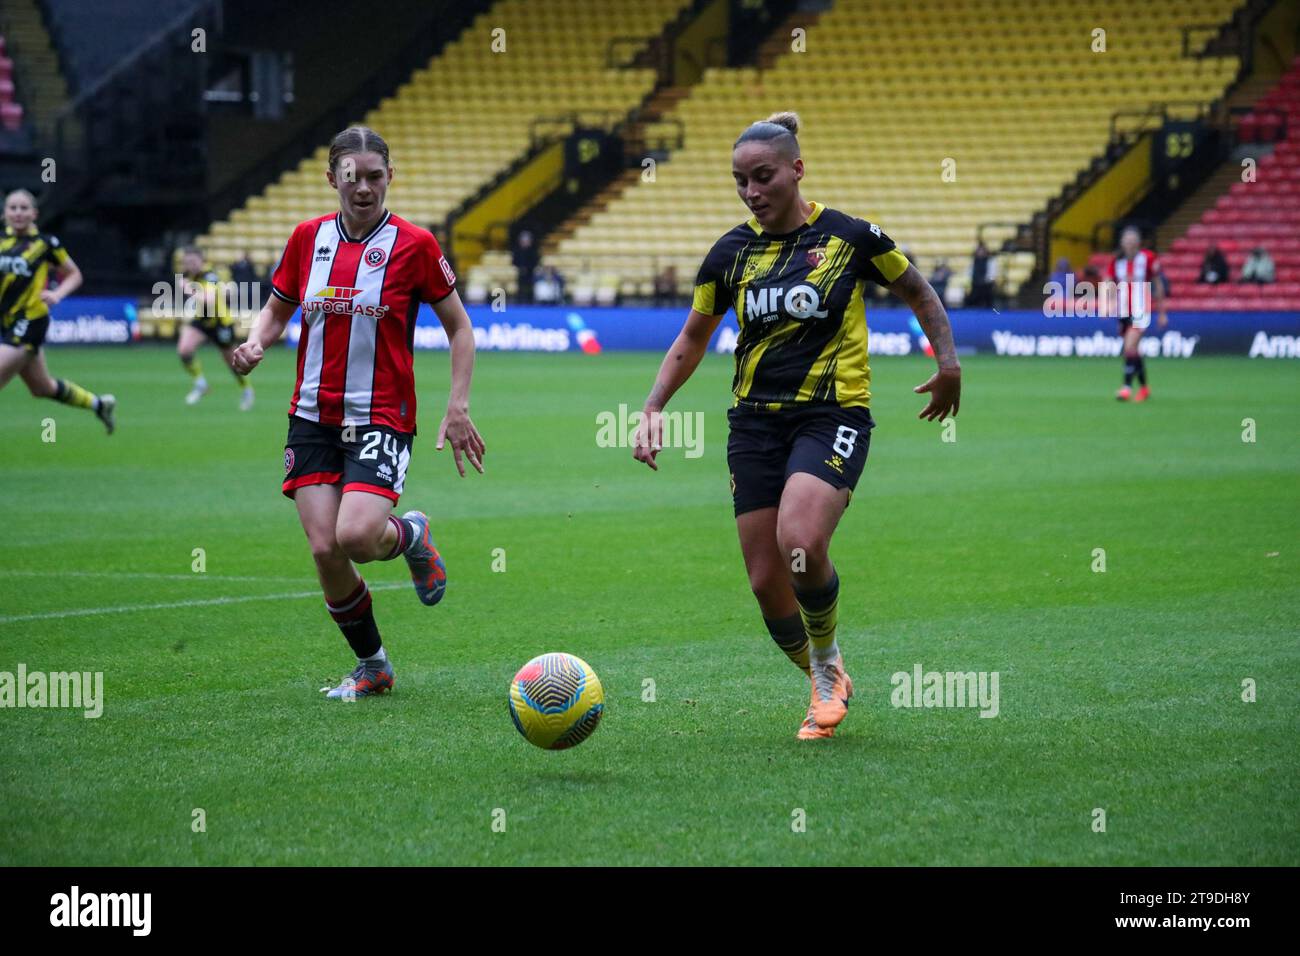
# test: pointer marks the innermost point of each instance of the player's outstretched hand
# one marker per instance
(465, 440)
(944, 387)
(649, 440)
(246, 357)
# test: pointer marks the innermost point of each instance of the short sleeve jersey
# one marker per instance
(25, 264)
(1135, 281)
(359, 299)
(799, 301)
(215, 283)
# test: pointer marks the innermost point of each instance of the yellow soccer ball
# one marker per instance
(556, 701)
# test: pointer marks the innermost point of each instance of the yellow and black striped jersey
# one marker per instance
(25, 263)
(799, 302)
(210, 280)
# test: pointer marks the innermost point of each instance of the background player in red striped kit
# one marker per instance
(1136, 273)
(359, 276)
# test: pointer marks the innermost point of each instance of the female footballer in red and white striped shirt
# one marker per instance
(1140, 287)
(359, 276)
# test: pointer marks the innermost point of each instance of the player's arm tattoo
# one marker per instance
(921, 298)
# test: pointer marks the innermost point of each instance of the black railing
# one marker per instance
(546, 129)
(649, 137)
(624, 51)
(1210, 31)
(1156, 111)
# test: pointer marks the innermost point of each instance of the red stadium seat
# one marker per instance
(11, 116)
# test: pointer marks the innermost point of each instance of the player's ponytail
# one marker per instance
(779, 129)
(357, 139)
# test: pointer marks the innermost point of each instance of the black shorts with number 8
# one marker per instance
(766, 447)
(371, 458)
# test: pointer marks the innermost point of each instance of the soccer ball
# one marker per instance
(556, 701)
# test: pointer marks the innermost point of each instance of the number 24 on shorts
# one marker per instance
(370, 447)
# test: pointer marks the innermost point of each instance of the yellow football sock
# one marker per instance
(193, 366)
(819, 609)
(70, 393)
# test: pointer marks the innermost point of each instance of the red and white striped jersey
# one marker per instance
(359, 300)
(1136, 279)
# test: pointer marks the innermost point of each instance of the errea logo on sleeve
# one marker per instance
(446, 270)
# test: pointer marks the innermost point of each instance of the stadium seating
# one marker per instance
(1265, 213)
(466, 116)
(885, 99)
(11, 112)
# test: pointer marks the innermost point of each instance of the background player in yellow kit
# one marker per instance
(27, 257)
(212, 320)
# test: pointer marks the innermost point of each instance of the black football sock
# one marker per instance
(356, 619)
(789, 635)
(1141, 370)
(1130, 368)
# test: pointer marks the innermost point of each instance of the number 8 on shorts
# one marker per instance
(844, 439)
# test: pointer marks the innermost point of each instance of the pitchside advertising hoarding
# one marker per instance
(82, 320)
(1264, 335)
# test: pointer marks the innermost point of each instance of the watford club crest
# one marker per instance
(816, 256)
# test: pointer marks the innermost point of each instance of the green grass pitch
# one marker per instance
(1120, 690)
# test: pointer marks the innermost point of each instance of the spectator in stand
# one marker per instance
(526, 258)
(1062, 273)
(981, 278)
(939, 278)
(549, 286)
(1054, 290)
(666, 285)
(244, 274)
(1258, 267)
(242, 269)
(1214, 267)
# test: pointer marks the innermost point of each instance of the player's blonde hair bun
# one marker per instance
(788, 119)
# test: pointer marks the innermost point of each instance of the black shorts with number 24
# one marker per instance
(766, 447)
(371, 458)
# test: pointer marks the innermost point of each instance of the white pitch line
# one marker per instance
(130, 608)
(151, 575)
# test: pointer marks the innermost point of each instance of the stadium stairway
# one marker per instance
(1239, 215)
(886, 102)
(1245, 94)
(496, 270)
(1265, 212)
(554, 63)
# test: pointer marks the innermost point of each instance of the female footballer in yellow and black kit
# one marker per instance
(800, 422)
(27, 256)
